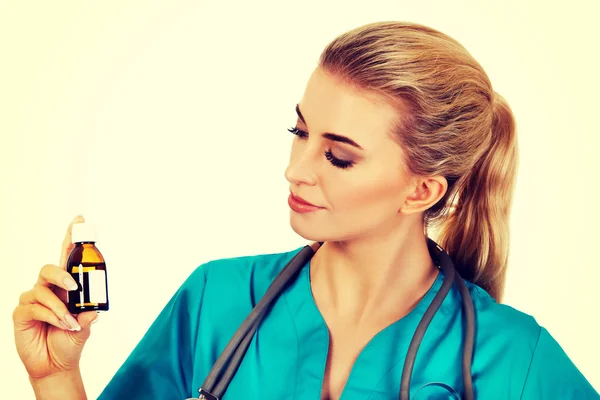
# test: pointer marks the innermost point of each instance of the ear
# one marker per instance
(425, 192)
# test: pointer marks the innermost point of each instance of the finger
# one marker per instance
(53, 275)
(44, 296)
(85, 319)
(67, 245)
(61, 294)
(24, 314)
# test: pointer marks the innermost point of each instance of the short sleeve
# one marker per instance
(161, 365)
(552, 375)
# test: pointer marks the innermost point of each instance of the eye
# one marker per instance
(298, 132)
(336, 162)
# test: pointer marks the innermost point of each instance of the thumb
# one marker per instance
(85, 320)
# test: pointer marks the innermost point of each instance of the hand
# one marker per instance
(48, 338)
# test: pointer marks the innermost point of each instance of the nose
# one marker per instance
(302, 166)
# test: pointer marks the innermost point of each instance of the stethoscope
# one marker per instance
(230, 359)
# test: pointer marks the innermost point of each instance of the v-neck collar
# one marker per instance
(380, 355)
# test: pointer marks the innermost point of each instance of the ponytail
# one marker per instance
(476, 234)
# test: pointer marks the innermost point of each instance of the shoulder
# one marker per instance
(243, 268)
(238, 275)
(505, 337)
(512, 340)
(552, 374)
(502, 319)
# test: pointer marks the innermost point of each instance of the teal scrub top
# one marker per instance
(514, 357)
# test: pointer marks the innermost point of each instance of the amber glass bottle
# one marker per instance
(86, 265)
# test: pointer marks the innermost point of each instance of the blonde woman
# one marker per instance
(399, 133)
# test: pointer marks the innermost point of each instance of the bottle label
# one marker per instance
(97, 281)
(92, 286)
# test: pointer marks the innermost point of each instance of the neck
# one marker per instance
(372, 277)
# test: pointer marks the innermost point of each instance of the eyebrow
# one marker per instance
(331, 136)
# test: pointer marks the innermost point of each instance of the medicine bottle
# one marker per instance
(87, 267)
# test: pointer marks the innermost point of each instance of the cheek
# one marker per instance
(360, 204)
(364, 192)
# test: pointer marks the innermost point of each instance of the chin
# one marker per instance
(306, 229)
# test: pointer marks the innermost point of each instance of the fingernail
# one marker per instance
(72, 322)
(96, 319)
(70, 284)
(64, 325)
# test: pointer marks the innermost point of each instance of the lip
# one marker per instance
(300, 205)
(300, 200)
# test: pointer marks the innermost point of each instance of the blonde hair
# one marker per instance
(457, 126)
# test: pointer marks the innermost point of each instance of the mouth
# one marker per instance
(300, 200)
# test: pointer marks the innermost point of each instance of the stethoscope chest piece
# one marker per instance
(436, 391)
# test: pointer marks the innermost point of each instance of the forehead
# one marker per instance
(332, 105)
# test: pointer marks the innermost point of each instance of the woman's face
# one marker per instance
(360, 189)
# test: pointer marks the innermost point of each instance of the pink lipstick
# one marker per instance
(299, 205)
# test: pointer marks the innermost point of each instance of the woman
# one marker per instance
(399, 132)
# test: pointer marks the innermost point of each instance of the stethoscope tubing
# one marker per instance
(240, 341)
(227, 364)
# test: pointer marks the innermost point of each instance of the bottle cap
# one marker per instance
(82, 232)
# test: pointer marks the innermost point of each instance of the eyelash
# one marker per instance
(336, 162)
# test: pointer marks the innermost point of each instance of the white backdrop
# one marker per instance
(164, 123)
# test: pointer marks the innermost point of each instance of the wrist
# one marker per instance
(64, 385)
